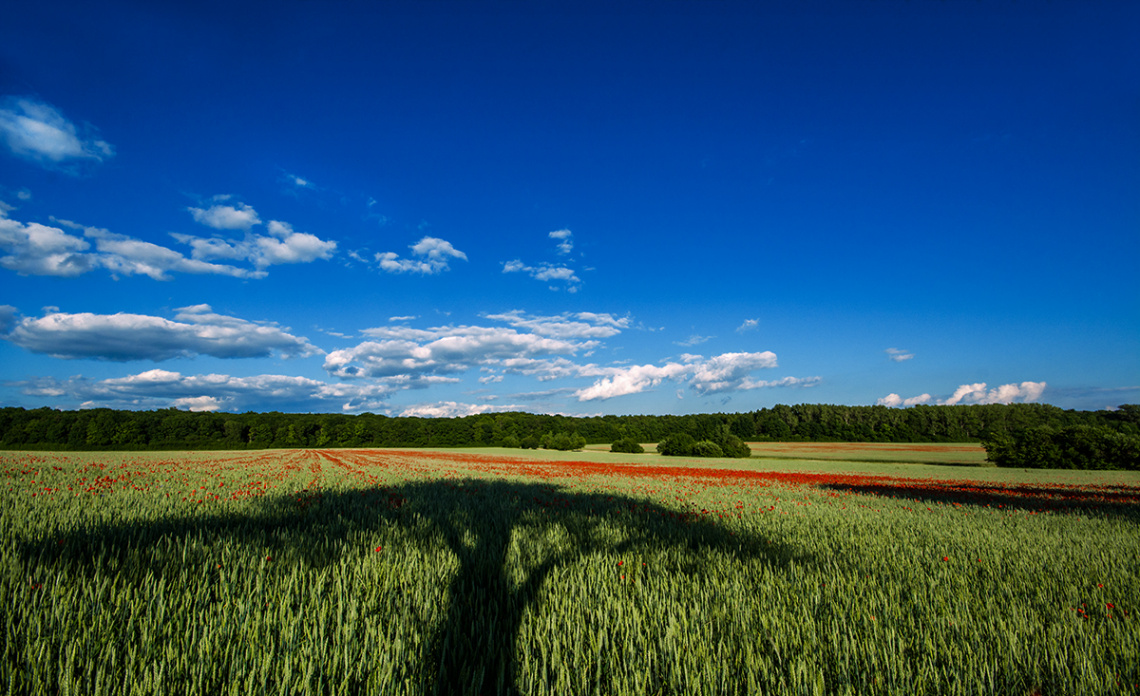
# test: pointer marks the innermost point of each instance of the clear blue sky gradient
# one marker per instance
(751, 203)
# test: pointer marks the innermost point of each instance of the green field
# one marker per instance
(509, 571)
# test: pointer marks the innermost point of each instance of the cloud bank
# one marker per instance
(195, 330)
(1026, 392)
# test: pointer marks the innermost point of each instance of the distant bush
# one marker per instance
(563, 441)
(1072, 447)
(627, 445)
(677, 445)
(529, 442)
(707, 448)
(511, 441)
(734, 447)
(685, 445)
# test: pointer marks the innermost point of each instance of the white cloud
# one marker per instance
(898, 355)
(282, 245)
(37, 131)
(1027, 392)
(565, 240)
(723, 373)
(631, 380)
(123, 255)
(442, 350)
(289, 247)
(748, 325)
(894, 400)
(226, 217)
(197, 330)
(575, 325)
(197, 403)
(730, 372)
(546, 273)
(977, 393)
(782, 382)
(35, 249)
(445, 409)
(163, 389)
(550, 272)
(694, 340)
(433, 256)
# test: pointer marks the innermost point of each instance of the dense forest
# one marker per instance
(106, 429)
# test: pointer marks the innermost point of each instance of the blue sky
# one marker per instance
(444, 208)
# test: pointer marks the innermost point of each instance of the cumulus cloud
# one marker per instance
(123, 255)
(431, 256)
(720, 374)
(547, 273)
(442, 350)
(195, 330)
(730, 372)
(37, 131)
(164, 389)
(226, 217)
(977, 393)
(552, 273)
(282, 245)
(35, 249)
(748, 325)
(566, 325)
(894, 400)
(631, 380)
(446, 409)
(898, 355)
(565, 240)
(1026, 392)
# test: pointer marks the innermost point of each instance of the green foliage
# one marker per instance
(511, 441)
(1072, 447)
(677, 445)
(628, 446)
(707, 448)
(563, 441)
(725, 444)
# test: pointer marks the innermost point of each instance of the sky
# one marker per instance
(440, 208)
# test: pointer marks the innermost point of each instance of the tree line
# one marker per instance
(107, 429)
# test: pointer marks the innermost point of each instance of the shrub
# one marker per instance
(677, 445)
(529, 442)
(1073, 447)
(628, 445)
(511, 441)
(733, 446)
(563, 441)
(684, 445)
(707, 448)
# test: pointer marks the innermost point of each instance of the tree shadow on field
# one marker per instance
(472, 651)
(1108, 501)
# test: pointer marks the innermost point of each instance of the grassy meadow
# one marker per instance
(486, 571)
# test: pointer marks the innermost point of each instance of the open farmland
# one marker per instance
(500, 571)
